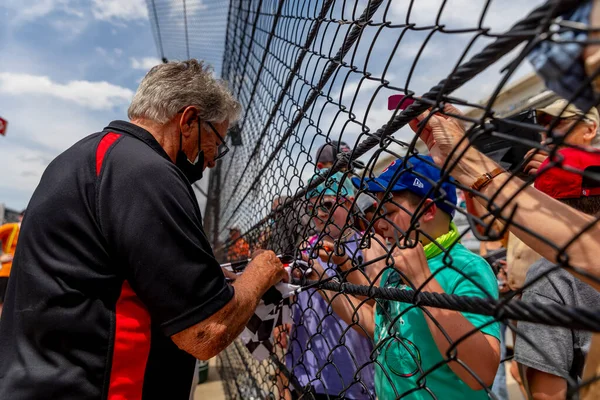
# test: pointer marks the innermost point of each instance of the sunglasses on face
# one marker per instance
(325, 206)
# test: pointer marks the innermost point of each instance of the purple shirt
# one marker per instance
(319, 335)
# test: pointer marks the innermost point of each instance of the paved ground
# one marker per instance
(212, 389)
(513, 388)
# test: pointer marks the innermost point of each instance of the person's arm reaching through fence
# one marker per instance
(355, 312)
(373, 260)
(537, 212)
(479, 351)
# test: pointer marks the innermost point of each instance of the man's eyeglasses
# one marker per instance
(223, 148)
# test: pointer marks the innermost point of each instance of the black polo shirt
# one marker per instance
(112, 260)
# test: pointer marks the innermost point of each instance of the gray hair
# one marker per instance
(168, 88)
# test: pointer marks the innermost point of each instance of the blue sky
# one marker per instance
(68, 67)
(365, 98)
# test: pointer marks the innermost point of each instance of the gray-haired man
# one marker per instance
(115, 288)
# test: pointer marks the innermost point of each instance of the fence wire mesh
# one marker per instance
(418, 274)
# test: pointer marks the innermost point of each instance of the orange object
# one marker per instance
(9, 235)
(240, 250)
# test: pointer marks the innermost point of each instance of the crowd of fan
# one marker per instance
(396, 230)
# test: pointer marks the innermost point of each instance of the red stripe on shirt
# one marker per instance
(131, 347)
(103, 147)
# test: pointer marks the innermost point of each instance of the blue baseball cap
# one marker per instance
(418, 177)
(335, 185)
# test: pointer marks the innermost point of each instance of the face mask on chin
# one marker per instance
(192, 170)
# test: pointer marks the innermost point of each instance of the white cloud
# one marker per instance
(101, 51)
(26, 166)
(70, 27)
(32, 143)
(67, 17)
(118, 52)
(349, 89)
(501, 14)
(123, 10)
(145, 63)
(29, 10)
(93, 95)
(408, 50)
(192, 8)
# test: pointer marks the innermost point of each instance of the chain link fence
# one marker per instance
(328, 167)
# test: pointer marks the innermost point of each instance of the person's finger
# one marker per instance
(414, 124)
(530, 153)
(324, 255)
(228, 274)
(451, 109)
(326, 245)
(532, 166)
(426, 136)
(533, 171)
(285, 276)
(536, 154)
(297, 273)
(257, 252)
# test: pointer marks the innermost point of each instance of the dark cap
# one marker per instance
(329, 151)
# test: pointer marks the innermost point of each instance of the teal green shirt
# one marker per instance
(406, 350)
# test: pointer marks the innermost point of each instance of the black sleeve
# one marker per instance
(151, 222)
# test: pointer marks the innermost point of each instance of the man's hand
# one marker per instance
(376, 251)
(536, 158)
(330, 253)
(4, 258)
(413, 264)
(315, 272)
(442, 134)
(211, 335)
(229, 275)
(267, 268)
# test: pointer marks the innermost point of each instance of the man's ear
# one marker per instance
(430, 210)
(189, 120)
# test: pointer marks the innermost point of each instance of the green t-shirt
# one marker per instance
(405, 347)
